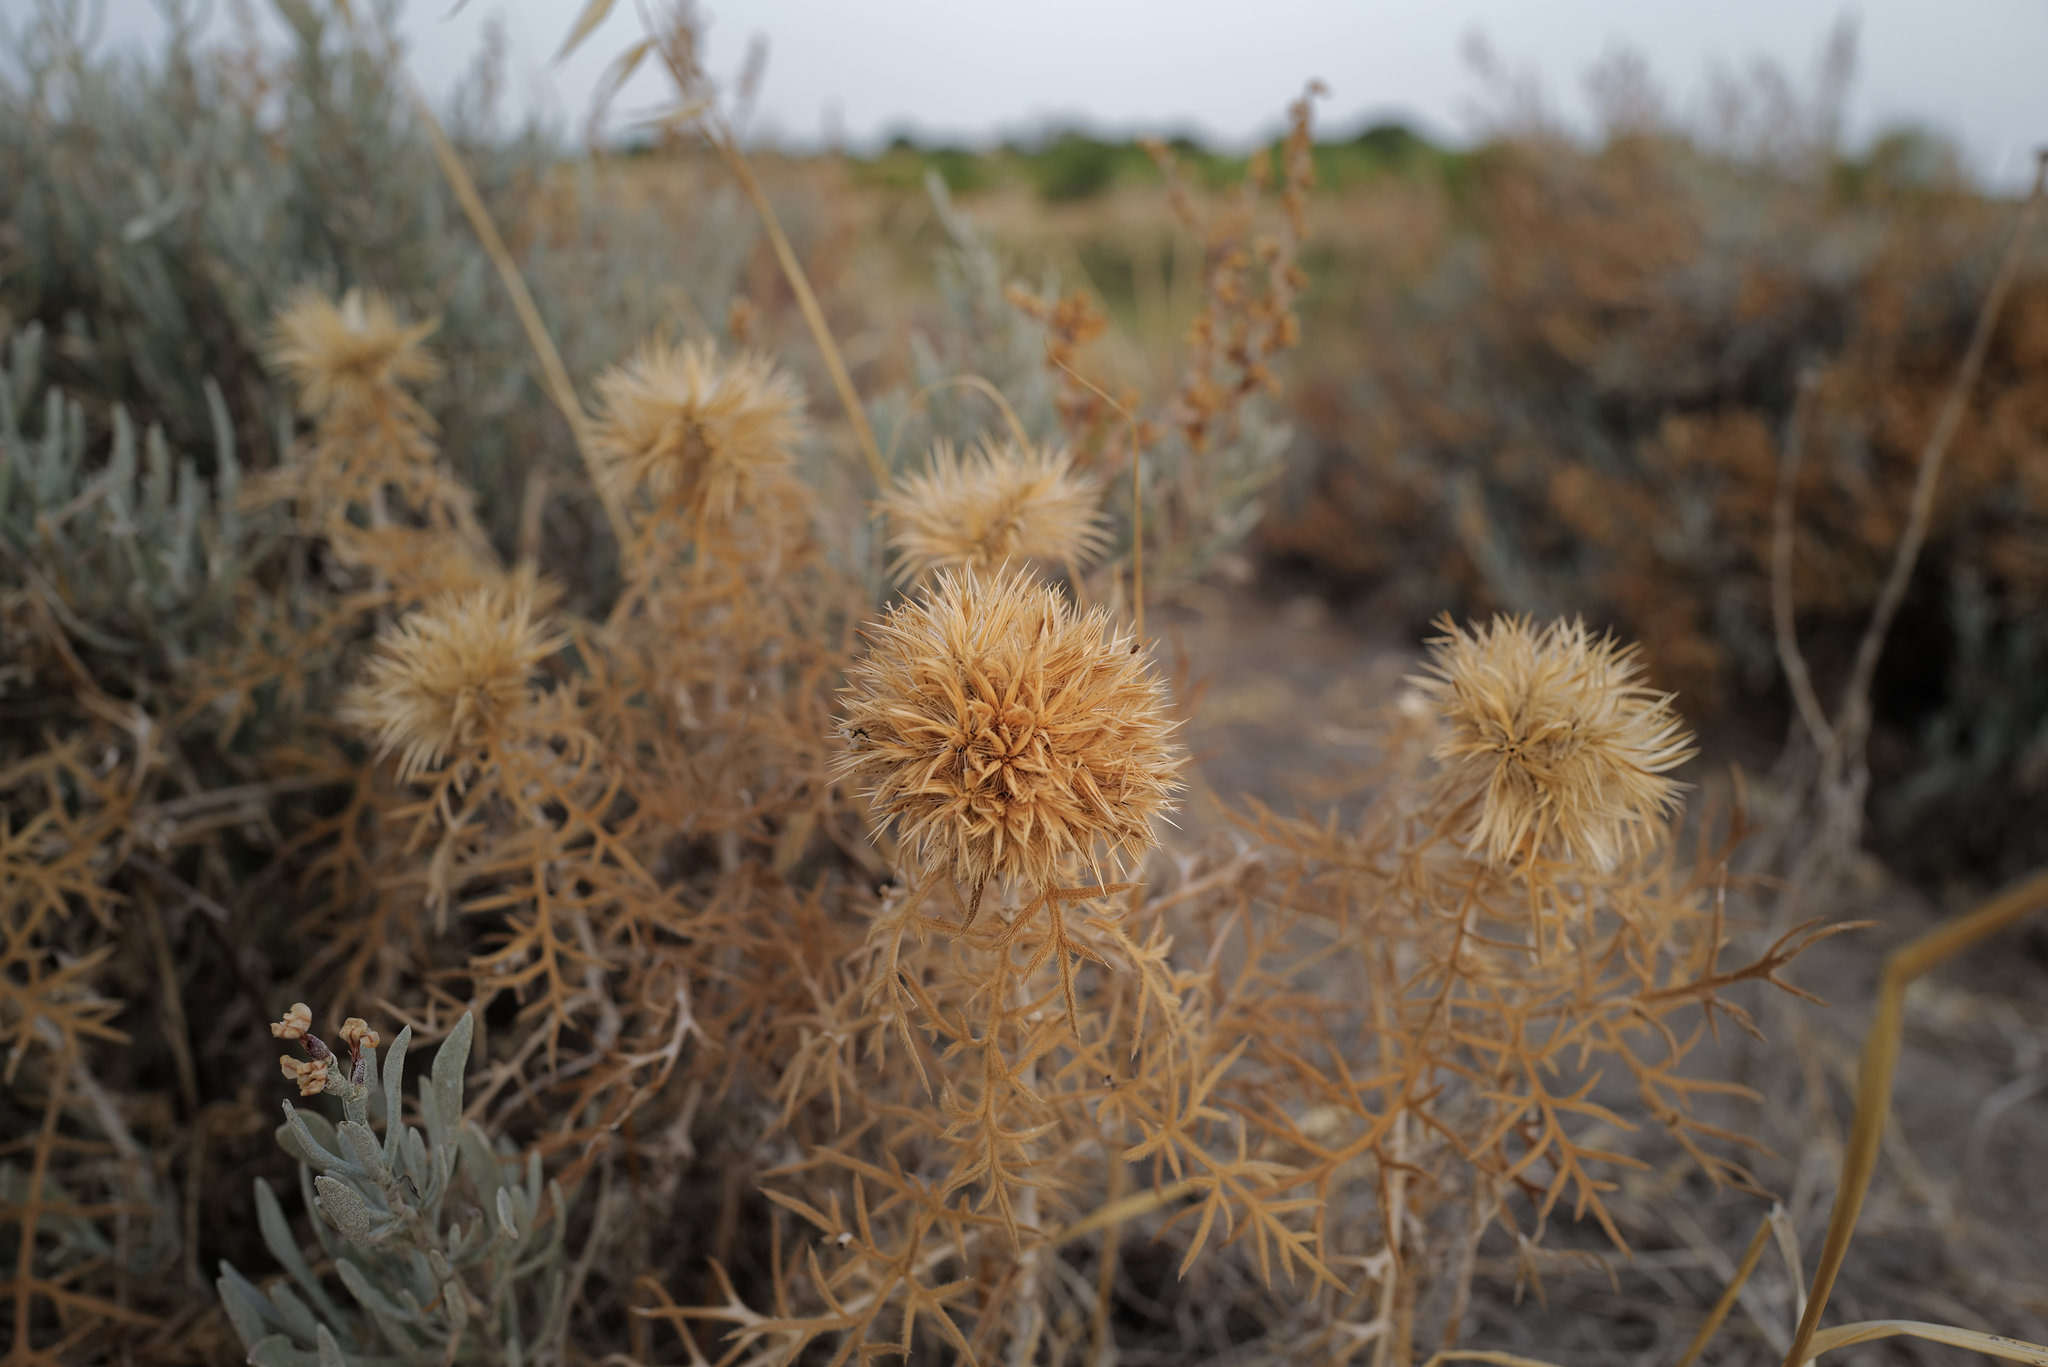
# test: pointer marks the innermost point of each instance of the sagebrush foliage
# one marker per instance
(445, 1259)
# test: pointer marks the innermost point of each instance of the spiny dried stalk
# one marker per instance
(1315, 1049)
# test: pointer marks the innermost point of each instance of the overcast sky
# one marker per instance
(976, 69)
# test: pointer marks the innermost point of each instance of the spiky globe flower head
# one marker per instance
(1008, 735)
(695, 431)
(1554, 733)
(452, 675)
(1002, 502)
(344, 356)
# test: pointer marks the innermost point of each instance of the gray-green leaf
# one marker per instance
(346, 1210)
(277, 1237)
(453, 1059)
(394, 1094)
(505, 1221)
(362, 1143)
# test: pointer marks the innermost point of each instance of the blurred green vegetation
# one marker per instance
(1070, 165)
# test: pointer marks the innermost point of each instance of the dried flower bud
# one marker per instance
(310, 1074)
(343, 356)
(1008, 734)
(1000, 502)
(694, 430)
(357, 1034)
(452, 675)
(295, 1024)
(1554, 733)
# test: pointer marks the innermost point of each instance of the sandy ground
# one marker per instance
(1956, 1229)
(1284, 687)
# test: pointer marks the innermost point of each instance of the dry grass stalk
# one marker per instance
(554, 375)
(673, 37)
(1873, 1116)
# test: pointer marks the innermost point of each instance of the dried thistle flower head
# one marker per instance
(1007, 733)
(695, 431)
(1555, 733)
(296, 1023)
(452, 675)
(310, 1074)
(1001, 502)
(358, 1036)
(342, 356)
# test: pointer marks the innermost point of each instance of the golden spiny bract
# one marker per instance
(696, 432)
(1555, 734)
(452, 675)
(1002, 502)
(1008, 734)
(343, 356)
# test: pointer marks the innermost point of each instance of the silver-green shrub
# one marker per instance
(132, 547)
(441, 1258)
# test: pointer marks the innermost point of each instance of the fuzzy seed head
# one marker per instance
(452, 675)
(345, 356)
(1002, 502)
(1555, 733)
(310, 1074)
(295, 1024)
(1008, 735)
(696, 432)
